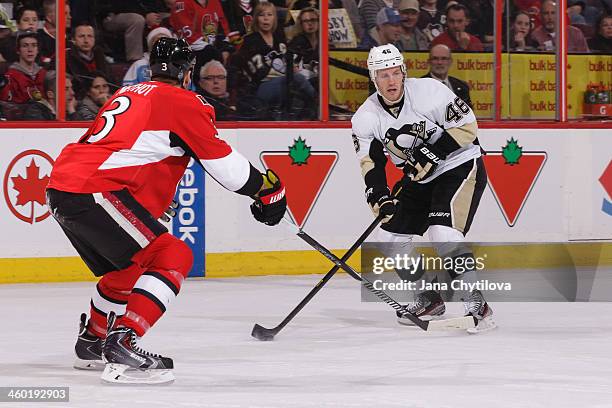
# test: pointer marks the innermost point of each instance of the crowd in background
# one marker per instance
(256, 60)
(468, 25)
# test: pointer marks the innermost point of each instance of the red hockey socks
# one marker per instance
(111, 295)
(166, 262)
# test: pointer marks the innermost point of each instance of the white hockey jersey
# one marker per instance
(428, 110)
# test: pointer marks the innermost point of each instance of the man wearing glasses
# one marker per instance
(440, 61)
(213, 86)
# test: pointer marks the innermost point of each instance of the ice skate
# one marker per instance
(127, 363)
(477, 306)
(88, 349)
(427, 305)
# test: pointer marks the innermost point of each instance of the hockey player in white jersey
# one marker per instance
(431, 134)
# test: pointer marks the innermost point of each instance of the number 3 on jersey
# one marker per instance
(123, 103)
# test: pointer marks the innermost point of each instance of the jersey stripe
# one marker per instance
(152, 146)
(122, 220)
(231, 171)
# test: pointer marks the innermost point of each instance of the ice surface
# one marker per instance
(338, 352)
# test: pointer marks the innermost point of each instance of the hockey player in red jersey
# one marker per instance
(108, 190)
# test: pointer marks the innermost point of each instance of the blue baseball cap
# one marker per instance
(388, 15)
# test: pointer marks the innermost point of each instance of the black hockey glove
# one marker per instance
(170, 212)
(381, 202)
(270, 203)
(423, 161)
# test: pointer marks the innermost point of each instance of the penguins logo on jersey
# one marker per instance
(400, 141)
(276, 61)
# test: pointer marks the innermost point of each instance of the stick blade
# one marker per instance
(263, 334)
(456, 323)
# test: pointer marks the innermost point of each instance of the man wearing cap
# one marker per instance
(440, 61)
(139, 70)
(455, 37)
(387, 31)
(411, 38)
(23, 81)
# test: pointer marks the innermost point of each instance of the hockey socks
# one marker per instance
(167, 261)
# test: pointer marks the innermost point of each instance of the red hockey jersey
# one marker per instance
(196, 21)
(142, 140)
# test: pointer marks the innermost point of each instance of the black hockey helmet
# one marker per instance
(171, 58)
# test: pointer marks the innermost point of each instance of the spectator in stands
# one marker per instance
(213, 86)
(139, 70)
(440, 61)
(44, 109)
(545, 36)
(602, 42)
(520, 34)
(305, 45)
(85, 58)
(239, 14)
(47, 34)
(387, 31)
(411, 38)
(7, 41)
(532, 8)
(27, 19)
(369, 9)
(129, 18)
(574, 11)
(259, 67)
(203, 25)
(482, 19)
(199, 22)
(583, 14)
(24, 78)
(431, 20)
(455, 36)
(97, 95)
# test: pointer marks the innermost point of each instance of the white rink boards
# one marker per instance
(338, 352)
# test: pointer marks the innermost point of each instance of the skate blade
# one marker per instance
(484, 325)
(89, 365)
(427, 318)
(125, 375)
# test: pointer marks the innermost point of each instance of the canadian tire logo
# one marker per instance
(512, 175)
(304, 173)
(25, 181)
(606, 182)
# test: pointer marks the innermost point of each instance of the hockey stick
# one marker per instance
(265, 334)
(464, 322)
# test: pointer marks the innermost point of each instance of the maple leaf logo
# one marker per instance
(299, 152)
(31, 188)
(512, 152)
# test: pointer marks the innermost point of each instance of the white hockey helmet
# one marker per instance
(382, 57)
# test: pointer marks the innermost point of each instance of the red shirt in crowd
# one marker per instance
(450, 42)
(197, 20)
(23, 86)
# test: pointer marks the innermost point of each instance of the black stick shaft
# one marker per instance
(328, 275)
(340, 263)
